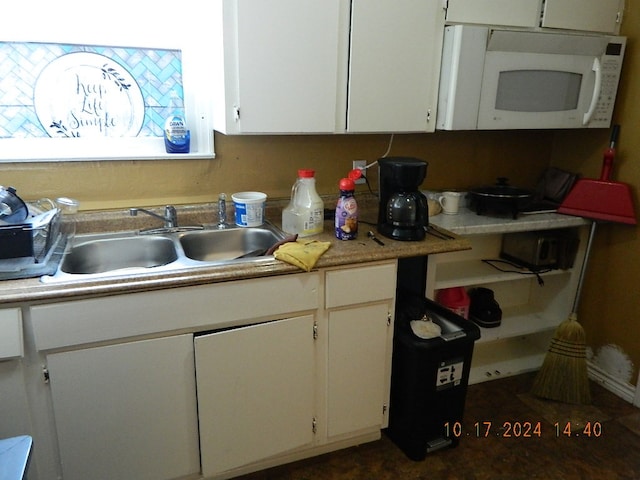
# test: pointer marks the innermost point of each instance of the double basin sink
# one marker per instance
(95, 256)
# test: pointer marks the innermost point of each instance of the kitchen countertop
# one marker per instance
(341, 253)
(467, 222)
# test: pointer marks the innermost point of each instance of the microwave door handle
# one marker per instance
(596, 91)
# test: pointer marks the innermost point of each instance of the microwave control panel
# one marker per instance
(611, 68)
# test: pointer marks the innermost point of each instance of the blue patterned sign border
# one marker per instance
(157, 73)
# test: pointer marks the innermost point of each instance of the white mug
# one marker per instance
(450, 202)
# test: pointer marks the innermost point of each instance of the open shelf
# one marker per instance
(519, 321)
(476, 272)
(531, 309)
(507, 358)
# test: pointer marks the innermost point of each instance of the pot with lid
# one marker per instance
(12, 207)
(500, 198)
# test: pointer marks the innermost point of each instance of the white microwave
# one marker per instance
(495, 79)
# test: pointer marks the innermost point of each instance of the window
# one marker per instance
(94, 81)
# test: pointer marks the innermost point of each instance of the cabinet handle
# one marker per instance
(315, 330)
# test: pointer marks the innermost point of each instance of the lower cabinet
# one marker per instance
(357, 393)
(126, 411)
(360, 304)
(183, 384)
(256, 391)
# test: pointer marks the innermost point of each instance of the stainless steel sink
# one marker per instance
(106, 255)
(216, 245)
(98, 256)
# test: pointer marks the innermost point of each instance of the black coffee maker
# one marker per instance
(403, 213)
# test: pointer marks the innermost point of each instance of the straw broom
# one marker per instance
(563, 376)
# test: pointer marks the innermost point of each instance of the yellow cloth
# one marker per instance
(302, 253)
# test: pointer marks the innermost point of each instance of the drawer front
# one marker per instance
(361, 284)
(11, 344)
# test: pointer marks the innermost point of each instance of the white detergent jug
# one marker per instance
(305, 213)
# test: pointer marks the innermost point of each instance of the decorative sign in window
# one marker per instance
(78, 91)
(75, 90)
(76, 102)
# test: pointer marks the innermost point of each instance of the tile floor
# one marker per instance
(611, 453)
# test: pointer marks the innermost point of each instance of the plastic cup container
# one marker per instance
(249, 208)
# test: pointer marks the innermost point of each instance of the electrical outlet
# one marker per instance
(360, 164)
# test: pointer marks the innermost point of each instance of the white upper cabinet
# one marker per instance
(591, 15)
(277, 64)
(585, 15)
(394, 65)
(515, 13)
(326, 66)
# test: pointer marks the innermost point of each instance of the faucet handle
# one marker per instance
(170, 216)
(222, 211)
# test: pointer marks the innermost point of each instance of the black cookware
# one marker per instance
(500, 198)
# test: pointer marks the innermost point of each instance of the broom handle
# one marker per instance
(609, 155)
(583, 269)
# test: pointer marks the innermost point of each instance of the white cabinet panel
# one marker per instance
(14, 406)
(517, 13)
(590, 15)
(79, 322)
(11, 342)
(371, 283)
(394, 65)
(358, 368)
(126, 411)
(255, 392)
(280, 66)
(287, 65)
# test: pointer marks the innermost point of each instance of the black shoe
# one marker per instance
(483, 308)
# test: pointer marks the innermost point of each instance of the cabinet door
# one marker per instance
(516, 13)
(286, 55)
(590, 15)
(126, 411)
(394, 65)
(255, 392)
(359, 368)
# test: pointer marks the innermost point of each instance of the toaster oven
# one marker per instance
(541, 249)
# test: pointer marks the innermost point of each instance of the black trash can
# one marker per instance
(429, 378)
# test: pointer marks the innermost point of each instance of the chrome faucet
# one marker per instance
(170, 216)
(222, 211)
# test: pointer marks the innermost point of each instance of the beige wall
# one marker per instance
(610, 306)
(270, 163)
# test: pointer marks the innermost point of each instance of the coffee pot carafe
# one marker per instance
(402, 212)
(406, 209)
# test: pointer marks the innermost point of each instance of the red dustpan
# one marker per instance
(601, 199)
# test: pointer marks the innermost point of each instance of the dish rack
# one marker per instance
(29, 249)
